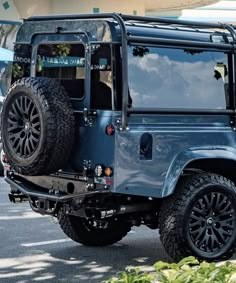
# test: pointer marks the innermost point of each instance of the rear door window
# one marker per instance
(65, 62)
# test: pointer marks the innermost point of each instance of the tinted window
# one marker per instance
(175, 78)
(101, 78)
(65, 62)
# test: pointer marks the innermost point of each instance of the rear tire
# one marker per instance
(85, 232)
(38, 129)
(199, 219)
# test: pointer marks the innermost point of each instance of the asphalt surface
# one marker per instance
(34, 249)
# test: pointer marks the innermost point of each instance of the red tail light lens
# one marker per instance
(4, 158)
(110, 130)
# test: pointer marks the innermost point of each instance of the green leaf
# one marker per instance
(188, 260)
(162, 265)
(188, 270)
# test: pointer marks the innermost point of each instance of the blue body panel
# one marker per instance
(177, 140)
(101, 146)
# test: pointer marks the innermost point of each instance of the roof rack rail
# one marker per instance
(231, 29)
(144, 19)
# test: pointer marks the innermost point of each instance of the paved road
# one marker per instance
(34, 249)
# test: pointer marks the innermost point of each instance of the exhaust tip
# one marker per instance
(17, 198)
(11, 198)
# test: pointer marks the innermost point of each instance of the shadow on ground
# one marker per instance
(34, 249)
(29, 251)
(70, 262)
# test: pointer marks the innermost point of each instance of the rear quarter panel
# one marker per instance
(177, 140)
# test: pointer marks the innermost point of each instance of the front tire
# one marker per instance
(200, 219)
(92, 233)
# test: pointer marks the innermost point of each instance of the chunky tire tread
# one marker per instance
(75, 228)
(58, 121)
(172, 214)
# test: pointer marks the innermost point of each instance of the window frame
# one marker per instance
(61, 38)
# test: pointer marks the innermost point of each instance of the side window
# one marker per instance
(175, 78)
(65, 62)
(101, 77)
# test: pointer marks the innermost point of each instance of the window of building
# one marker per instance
(6, 5)
(96, 10)
(5, 77)
(175, 78)
(8, 35)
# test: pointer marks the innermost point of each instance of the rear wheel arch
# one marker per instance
(221, 166)
(222, 162)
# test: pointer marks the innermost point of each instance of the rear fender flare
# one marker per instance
(183, 158)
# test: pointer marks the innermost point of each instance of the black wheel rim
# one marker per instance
(23, 126)
(211, 222)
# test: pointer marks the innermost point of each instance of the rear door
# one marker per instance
(84, 70)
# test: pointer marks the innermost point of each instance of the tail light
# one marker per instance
(108, 172)
(4, 158)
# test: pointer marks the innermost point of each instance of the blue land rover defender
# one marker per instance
(113, 121)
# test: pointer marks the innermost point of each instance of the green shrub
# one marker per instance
(188, 270)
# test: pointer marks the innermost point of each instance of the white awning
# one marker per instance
(222, 11)
(158, 6)
(6, 55)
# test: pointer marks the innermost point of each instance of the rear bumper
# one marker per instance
(51, 188)
(46, 200)
(37, 192)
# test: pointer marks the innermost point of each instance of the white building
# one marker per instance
(16, 10)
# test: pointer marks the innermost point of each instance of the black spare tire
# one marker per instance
(38, 129)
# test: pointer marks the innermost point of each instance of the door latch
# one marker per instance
(89, 116)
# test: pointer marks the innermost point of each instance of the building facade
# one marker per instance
(16, 10)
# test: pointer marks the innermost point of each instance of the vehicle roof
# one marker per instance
(109, 28)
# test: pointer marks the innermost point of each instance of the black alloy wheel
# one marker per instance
(24, 126)
(212, 222)
(199, 219)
